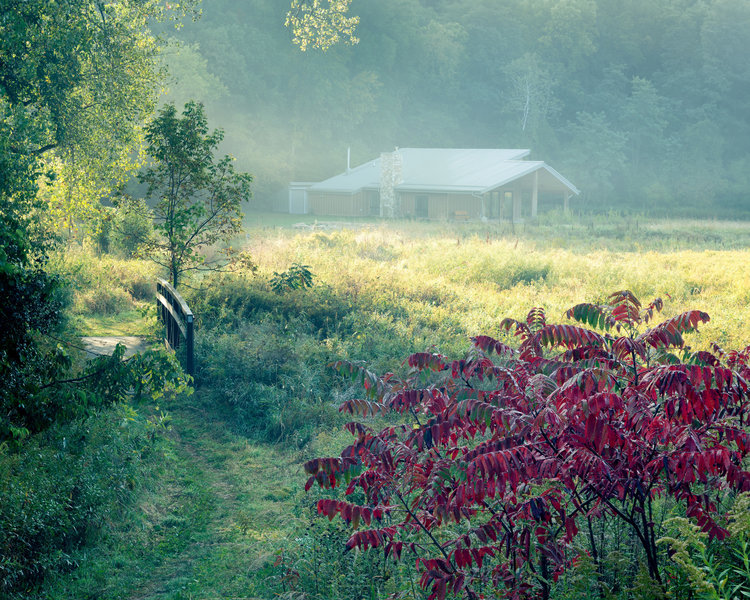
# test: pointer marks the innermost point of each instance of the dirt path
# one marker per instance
(96, 345)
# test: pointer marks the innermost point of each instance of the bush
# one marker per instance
(58, 488)
(104, 301)
(228, 300)
(273, 385)
(106, 285)
(502, 464)
(132, 225)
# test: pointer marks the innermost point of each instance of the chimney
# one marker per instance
(390, 177)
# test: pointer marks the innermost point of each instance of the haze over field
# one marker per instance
(640, 104)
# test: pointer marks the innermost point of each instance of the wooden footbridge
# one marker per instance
(178, 321)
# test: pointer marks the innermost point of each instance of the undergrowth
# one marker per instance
(61, 488)
(110, 295)
(385, 291)
(379, 293)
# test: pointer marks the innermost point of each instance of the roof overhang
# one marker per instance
(471, 177)
(533, 166)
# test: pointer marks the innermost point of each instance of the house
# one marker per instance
(436, 183)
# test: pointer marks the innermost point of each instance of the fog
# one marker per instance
(643, 105)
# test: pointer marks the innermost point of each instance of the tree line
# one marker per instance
(642, 105)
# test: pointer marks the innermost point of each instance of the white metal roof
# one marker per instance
(445, 169)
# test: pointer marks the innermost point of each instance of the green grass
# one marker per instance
(128, 322)
(212, 514)
(554, 229)
(109, 295)
(442, 282)
(220, 507)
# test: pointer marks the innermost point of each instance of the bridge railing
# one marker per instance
(177, 317)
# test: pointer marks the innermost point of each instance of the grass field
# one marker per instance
(462, 278)
(211, 514)
(222, 513)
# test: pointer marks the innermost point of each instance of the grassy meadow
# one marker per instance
(219, 510)
(442, 282)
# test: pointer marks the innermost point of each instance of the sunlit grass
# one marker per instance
(452, 281)
(109, 295)
(137, 322)
(221, 508)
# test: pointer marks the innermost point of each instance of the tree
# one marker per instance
(595, 154)
(80, 77)
(75, 76)
(198, 199)
(321, 23)
(495, 464)
(530, 97)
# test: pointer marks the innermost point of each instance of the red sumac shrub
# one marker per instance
(498, 461)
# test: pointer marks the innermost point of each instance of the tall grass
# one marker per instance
(385, 290)
(109, 295)
(381, 291)
(455, 281)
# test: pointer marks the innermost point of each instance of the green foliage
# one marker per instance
(717, 571)
(31, 301)
(76, 78)
(294, 278)
(122, 230)
(273, 386)
(656, 127)
(313, 564)
(320, 24)
(198, 199)
(132, 224)
(77, 81)
(60, 488)
(105, 285)
(230, 300)
(59, 394)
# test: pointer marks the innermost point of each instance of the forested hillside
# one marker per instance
(641, 104)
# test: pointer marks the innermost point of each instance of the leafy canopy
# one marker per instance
(198, 198)
(76, 79)
(321, 24)
(498, 462)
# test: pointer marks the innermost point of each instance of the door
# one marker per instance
(374, 204)
(421, 208)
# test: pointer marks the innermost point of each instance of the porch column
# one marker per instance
(566, 203)
(516, 206)
(535, 194)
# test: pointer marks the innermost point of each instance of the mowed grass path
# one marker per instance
(207, 525)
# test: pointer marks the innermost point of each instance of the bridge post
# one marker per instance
(178, 321)
(189, 341)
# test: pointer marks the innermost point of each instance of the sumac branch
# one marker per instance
(496, 463)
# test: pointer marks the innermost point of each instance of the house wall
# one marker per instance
(441, 206)
(338, 205)
(512, 202)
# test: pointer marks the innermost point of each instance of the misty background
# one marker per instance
(643, 105)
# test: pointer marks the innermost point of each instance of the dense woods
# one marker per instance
(643, 105)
